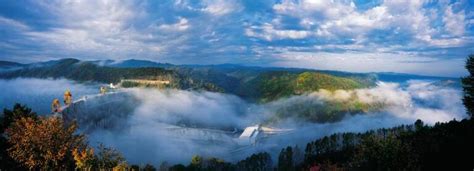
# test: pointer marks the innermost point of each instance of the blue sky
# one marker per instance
(429, 37)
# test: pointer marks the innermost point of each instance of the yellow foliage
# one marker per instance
(83, 158)
(121, 167)
(42, 143)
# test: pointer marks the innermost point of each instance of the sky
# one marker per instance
(427, 37)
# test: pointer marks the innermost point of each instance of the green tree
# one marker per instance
(196, 162)
(178, 167)
(285, 159)
(18, 111)
(258, 162)
(149, 167)
(468, 86)
(109, 158)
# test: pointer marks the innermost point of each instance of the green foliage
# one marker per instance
(129, 84)
(311, 81)
(322, 110)
(108, 158)
(178, 167)
(149, 167)
(415, 147)
(134, 168)
(18, 111)
(274, 85)
(285, 160)
(86, 71)
(468, 86)
(199, 163)
(196, 162)
(257, 84)
(259, 161)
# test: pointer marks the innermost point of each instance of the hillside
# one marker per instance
(8, 64)
(274, 85)
(131, 63)
(251, 83)
(74, 69)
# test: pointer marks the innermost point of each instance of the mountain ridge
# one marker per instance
(252, 83)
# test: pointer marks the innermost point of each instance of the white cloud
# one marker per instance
(98, 29)
(454, 22)
(221, 7)
(181, 25)
(188, 31)
(331, 20)
(354, 61)
(268, 32)
(7, 22)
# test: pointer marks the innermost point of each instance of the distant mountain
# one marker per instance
(131, 63)
(252, 83)
(249, 82)
(8, 64)
(399, 77)
(451, 83)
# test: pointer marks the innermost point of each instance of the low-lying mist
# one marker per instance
(174, 125)
(39, 93)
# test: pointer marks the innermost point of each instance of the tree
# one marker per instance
(121, 167)
(108, 158)
(44, 144)
(18, 111)
(6, 119)
(468, 86)
(164, 166)
(134, 167)
(149, 167)
(178, 167)
(285, 159)
(261, 162)
(419, 125)
(298, 156)
(196, 162)
(85, 158)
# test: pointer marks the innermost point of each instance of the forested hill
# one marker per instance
(252, 83)
(84, 71)
(8, 64)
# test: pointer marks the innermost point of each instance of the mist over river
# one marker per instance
(156, 127)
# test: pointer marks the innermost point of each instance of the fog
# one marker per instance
(174, 125)
(39, 93)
